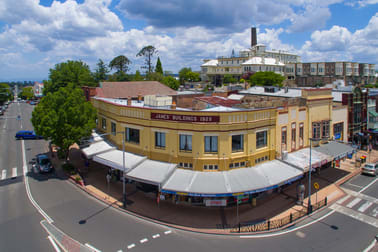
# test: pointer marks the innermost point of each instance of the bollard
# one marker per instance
(325, 201)
(291, 217)
(239, 227)
(268, 224)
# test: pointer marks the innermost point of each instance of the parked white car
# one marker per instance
(370, 169)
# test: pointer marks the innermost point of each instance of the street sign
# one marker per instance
(316, 185)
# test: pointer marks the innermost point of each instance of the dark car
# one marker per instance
(26, 134)
(43, 163)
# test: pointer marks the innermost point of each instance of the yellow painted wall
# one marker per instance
(243, 122)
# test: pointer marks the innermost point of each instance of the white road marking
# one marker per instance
(5, 124)
(91, 247)
(362, 196)
(353, 202)
(143, 240)
(131, 246)
(4, 174)
(355, 215)
(155, 236)
(375, 212)
(355, 185)
(341, 201)
(300, 234)
(119, 250)
(26, 182)
(366, 187)
(168, 232)
(14, 172)
(57, 249)
(365, 206)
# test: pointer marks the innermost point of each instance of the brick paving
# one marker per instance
(215, 220)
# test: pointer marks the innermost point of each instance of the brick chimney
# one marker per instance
(129, 101)
(253, 37)
(139, 98)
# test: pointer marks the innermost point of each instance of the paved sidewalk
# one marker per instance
(212, 220)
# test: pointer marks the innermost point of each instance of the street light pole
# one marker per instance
(124, 170)
(309, 206)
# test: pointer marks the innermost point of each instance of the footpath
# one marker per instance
(204, 219)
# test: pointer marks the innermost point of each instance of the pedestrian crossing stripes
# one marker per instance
(358, 206)
(5, 173)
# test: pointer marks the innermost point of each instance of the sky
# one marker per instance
(36, 35)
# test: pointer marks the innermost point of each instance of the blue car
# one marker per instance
(43, 164)
(27, 134)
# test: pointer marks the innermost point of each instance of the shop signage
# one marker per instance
(337, 136)
(221, 202)
(184, 118)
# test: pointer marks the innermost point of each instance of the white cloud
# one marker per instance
(339, 43)
(362, 3)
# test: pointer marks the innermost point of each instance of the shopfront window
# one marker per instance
(211, 144)
(185, 142)
(160, 139)
(132, 135)
(338, 131)
(261, 139)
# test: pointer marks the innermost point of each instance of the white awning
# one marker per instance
(97, 148)
(152, 172)
(301, 158)
(336, 149)
(114, 158)
(259, 178)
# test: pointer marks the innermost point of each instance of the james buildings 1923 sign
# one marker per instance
(184, 118)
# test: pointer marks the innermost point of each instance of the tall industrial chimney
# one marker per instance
(253, 37)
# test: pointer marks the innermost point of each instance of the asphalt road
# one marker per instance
(90, 221)
(20, 228)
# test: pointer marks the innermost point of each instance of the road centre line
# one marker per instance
(168, 232)
(131, 246)
(355, 185)
(155, 236)
(57, 249)
(26, 182)
(143, 240)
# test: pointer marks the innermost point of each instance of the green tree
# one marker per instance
(182, 74)
(192, 76)
(155, 76)
(75, 72)
(101, 71)
(137, 76)
(158, 68)
(228, 79)
(5, 93)
(27, 93)
(266, 79)
(120, 63)
(64, 117)
(171, 82)
(147, 52)
(119, 76)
